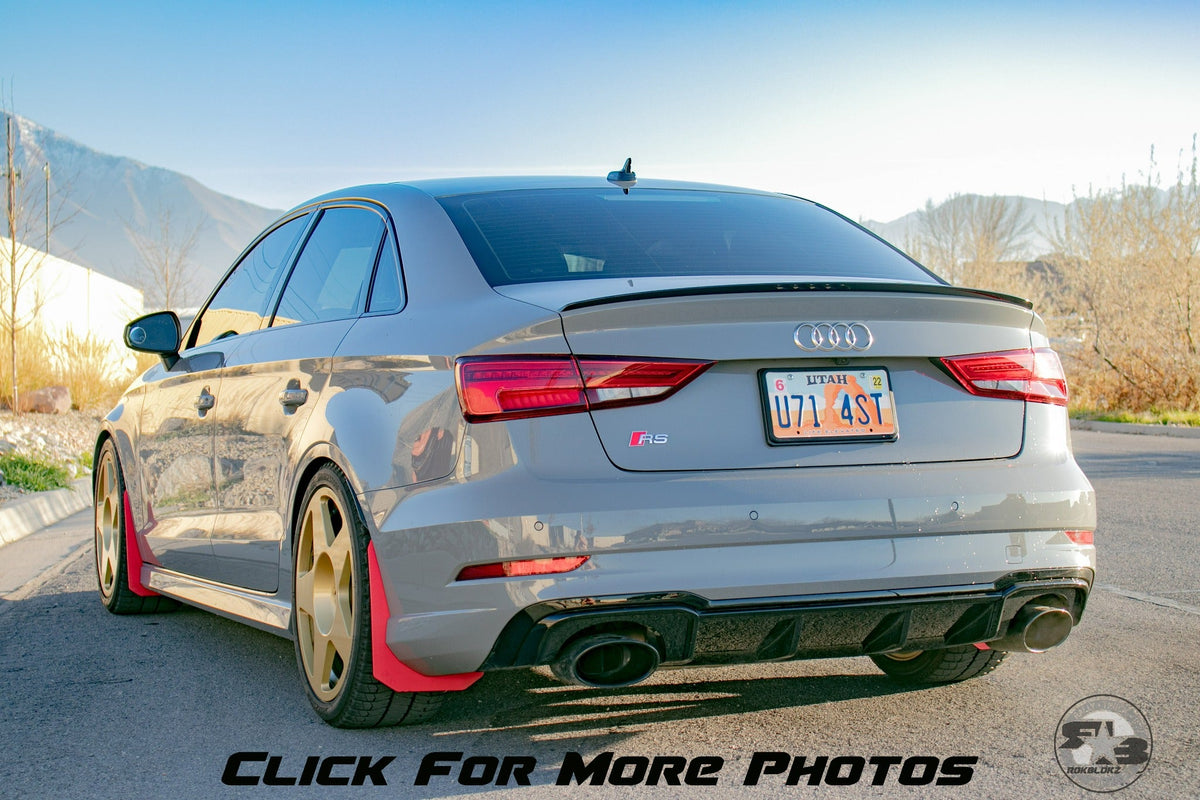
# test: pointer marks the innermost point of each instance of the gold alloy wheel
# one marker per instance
(108, 523)
(325, 612)
(906, 656)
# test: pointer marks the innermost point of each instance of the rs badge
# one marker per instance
(642, 438)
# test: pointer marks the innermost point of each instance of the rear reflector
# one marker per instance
(515, 569)
(1081, 537)
(515, 387)
(1033, 375)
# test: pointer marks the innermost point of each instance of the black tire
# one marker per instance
(112, 566)
(331, 615)
(939, 666)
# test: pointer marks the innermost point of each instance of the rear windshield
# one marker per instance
(537, 235)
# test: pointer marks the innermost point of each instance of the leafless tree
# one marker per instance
(941, 237)
(26, 220)
(165, 247)
(967, 237)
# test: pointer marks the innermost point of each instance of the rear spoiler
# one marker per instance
(817, 286)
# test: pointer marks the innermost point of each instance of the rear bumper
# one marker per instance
(705, 545)
(689, 630)
(749, 602)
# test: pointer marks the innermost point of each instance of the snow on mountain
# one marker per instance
(107, 201)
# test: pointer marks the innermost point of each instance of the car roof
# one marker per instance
(442, 187)
(447, 187)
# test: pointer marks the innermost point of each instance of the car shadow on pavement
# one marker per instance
(532, 707)
(233, 689)
(518, 706)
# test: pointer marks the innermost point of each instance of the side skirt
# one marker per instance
(261, 611)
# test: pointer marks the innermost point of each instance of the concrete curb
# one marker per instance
(23, 516)
(1178, 431)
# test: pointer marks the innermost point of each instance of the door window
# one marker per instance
(331, 275)
(243, 300)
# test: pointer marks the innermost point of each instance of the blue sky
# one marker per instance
(871, 108)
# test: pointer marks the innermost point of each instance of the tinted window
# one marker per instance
(385, 290)
(331, 274)
(572, 234)
(242, 301)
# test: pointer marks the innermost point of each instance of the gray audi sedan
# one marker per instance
(434, 429)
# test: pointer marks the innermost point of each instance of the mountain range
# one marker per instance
(110, 204)
(104, 203)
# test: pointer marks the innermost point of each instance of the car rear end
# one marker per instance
(764, 435)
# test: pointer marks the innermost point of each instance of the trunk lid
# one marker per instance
(723, 419)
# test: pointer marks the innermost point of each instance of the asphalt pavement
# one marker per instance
(148, 706)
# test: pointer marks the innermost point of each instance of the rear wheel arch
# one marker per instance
(104, 436)
(311, 464)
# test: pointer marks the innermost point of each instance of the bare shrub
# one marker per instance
(84, 364)
(1130, 259)
(165, 247)
(966, 238)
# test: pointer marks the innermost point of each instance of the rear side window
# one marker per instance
(330, 277)
(385, 290)
(241, 303)
(570, 234)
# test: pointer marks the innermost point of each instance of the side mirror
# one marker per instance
(155, 333)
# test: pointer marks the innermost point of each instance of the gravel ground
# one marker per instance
(58, 438)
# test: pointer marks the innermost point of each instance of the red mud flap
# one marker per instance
(133, 555)
(389, 670)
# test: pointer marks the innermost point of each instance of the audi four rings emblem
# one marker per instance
(844, 336)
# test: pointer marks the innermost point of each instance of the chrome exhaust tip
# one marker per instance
(1036, 629)
(606, 660)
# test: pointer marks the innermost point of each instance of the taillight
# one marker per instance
(1033, 375)
(511, 388)
(528, 566)
(514, 387)
(1081, 537)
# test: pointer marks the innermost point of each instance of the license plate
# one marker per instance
(805, 405)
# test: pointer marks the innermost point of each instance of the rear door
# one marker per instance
(272, 383)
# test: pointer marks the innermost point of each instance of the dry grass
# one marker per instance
(84, 364)
(1153, 417)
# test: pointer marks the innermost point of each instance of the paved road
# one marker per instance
(101, 706)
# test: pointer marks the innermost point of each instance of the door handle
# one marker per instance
(293, 398)
(205, 401)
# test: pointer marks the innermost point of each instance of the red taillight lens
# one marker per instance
(1033, 375)
(514, 569)
(1081, 537)
(513, 387)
